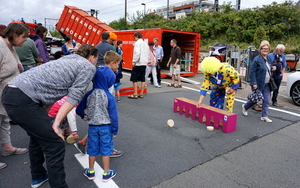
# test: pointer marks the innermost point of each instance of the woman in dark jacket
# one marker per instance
(38, 39)
(260, 71)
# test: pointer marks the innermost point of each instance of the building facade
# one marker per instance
(183, 9)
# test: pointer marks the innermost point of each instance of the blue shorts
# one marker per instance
(100, 140)
(117, 86)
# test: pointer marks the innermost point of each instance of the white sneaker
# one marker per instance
(245, 112)
(266, 119)
(158, 86)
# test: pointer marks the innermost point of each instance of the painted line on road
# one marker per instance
(238, 100)
(84, 161)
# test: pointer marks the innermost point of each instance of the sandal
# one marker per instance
(141, 96)
(133, 96)
(17, 151)
(170, 85)
(3, 165)
(178, 86)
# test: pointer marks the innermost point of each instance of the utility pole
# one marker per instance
(125, 11)
(144, 14)
(238, 5)
(93, 12)
(168, 9)
(217, 5)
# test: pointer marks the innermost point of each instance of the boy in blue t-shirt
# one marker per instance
(102, 117)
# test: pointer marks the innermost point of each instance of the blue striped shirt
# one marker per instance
(159, 51)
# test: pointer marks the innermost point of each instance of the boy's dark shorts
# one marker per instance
(138, 74)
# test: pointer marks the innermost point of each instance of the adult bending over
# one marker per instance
(225, 80)
(29, 96)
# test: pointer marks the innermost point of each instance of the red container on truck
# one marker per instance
(189, 42)
(86, 29)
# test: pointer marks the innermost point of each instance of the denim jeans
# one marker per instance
(266, 101)
(27, 67)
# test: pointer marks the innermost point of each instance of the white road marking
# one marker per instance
(239, 100)
(84, 161)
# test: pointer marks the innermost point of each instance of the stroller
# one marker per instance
(219, 51)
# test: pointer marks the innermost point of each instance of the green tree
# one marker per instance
(259, 35)
(121, 24)
(275, 22)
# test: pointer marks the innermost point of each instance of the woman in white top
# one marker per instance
(14, 35)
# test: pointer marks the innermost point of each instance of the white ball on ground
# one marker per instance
(210, 128)
(170, 123)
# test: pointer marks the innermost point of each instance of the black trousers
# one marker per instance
(44, 142)
(277, 79)
(158, 69)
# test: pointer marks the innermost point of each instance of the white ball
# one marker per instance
(170, 122)
(210, 128)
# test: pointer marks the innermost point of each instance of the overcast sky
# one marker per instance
(109, 10)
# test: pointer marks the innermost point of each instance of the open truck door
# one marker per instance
(189, 42)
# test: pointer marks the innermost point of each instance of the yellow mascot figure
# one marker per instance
(225, 80)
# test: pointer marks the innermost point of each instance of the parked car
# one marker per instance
(293, 87)
(54, 44)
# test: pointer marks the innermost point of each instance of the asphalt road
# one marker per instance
(257, 154)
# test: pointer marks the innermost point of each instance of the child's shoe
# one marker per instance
(89, 174)
(119, 100)
(107, 176)
(80, 147)
(116, 153)
(39, 182)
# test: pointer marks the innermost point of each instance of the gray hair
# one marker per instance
(280, 46)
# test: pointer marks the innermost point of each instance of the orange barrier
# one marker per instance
(129, 91)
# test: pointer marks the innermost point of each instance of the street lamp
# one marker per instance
(144, 14)
(200, 4)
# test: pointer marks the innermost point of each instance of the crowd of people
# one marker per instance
(225, 80)
(30, 91)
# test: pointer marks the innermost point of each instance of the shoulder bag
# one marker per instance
(273, 86)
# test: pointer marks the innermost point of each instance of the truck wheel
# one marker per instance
(295, 93)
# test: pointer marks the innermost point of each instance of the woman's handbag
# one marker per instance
(273, 86)
(255, 96)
